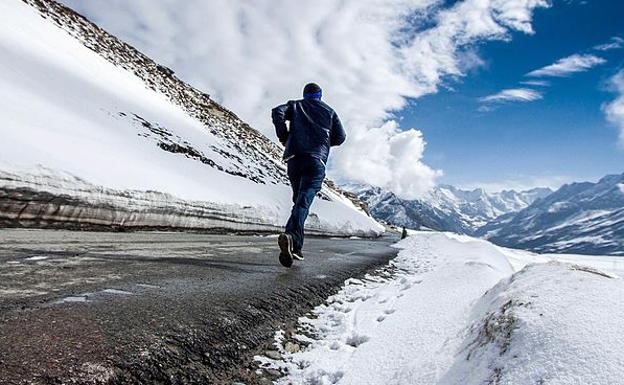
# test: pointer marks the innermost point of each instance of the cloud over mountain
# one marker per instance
(615, 109)
(370, 56)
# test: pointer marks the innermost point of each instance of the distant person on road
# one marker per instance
(314, 127)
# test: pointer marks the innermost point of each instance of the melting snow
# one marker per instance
(72, 299)
(116, 292)
(37, 258)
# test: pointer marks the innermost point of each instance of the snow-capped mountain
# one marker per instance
(94, 133)
(583, 218)
(445, 207)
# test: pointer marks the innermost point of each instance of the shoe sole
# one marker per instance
(286, 256)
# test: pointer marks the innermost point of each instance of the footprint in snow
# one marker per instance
(356, 340)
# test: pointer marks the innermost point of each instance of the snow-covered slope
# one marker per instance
(583, 218)
(445, 208)
(454, 310)
(95, 133)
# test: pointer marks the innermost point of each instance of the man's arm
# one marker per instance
(338, 134)
(280, 115)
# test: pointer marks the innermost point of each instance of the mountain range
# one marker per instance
(585, 217)
(445, 207)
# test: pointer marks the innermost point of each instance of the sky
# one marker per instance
(477, 93)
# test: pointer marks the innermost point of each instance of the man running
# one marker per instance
(314, 127)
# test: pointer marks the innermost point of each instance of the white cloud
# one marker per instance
(537, 83)
(368, 55)
(569, 65)
(512, 95)
(616, 42)
(614, 111)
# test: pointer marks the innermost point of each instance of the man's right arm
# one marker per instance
(338, 134)
(280, 115)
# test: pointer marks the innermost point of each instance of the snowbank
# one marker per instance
(551, 323)
(106, 126)
(458, 310)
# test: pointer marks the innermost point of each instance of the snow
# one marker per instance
(70, 118)
(445, 207)
(451, 309)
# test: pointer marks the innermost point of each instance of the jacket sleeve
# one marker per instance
(280, 115)
(338, 134)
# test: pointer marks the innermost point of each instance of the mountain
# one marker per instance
(96, 134)
(585, 218)
(445, 207)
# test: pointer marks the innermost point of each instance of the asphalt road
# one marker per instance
(157, 307)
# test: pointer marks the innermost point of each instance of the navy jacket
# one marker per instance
(314, 128)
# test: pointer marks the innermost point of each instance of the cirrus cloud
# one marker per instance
(568, 66)
(513, 95)
(615, 42)
(370, 56)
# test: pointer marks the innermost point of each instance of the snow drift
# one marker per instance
(457, 310)
(96, 134)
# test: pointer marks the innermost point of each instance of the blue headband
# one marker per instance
(316, 95)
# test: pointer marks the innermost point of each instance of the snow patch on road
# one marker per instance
(37, 258)
(72, 299)
(116, 292)
(457, 310)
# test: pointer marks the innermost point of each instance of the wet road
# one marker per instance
(88, 307)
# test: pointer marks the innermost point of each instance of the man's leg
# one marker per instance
(294, 176)
(313, 173)
(285, 240)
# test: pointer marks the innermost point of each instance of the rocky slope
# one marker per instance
(97, 134)
(445, 207)
(585, 218)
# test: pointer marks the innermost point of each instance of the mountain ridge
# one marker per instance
(582, 217)
(445, 207)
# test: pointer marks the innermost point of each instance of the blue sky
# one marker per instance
(562, 137)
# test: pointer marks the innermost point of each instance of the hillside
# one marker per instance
(96, 134)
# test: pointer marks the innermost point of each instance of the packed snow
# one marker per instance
(451, 309)
(75, 124)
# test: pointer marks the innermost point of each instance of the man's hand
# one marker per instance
(280, 115)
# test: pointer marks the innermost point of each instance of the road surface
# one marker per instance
(157, 307)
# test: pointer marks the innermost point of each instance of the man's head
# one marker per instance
(312, 91)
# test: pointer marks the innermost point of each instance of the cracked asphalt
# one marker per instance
(157, 307)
